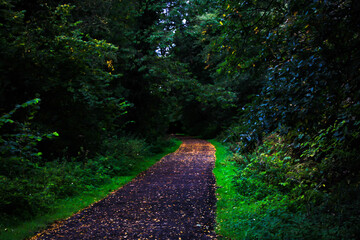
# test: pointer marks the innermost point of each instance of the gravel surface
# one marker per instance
(174, 199)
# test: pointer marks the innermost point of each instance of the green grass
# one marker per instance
(230, 212)
(67, 207)
(237, 216)
(226, 207)
(250, 206)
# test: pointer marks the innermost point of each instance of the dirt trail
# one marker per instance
(174, 199)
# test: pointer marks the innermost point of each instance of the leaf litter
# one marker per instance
(174, 199)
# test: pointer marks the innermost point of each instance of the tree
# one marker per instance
(308, 60)
(47, 56)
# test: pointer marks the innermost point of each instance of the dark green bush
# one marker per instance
(281, 197)
(31, 186)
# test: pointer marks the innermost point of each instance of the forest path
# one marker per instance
(174, 199)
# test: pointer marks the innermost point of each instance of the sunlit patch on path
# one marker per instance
(174, 199)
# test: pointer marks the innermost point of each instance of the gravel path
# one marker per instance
(174, 199)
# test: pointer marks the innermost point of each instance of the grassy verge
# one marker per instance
(66, 207)
(224, 172)
(259, 197)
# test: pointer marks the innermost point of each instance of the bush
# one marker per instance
(281, 197)
(29, 186)
(22, 189)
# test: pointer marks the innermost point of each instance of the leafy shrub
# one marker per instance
(120, 154)
(29, 185)
(160, 143)
(20, 191)
(281, 197)
(18, 139)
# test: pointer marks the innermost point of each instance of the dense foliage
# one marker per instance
(75, 109)
(297, 140)
(87, 88)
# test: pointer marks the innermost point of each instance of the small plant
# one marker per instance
(21, 193)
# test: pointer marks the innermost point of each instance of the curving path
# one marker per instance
(174, 199)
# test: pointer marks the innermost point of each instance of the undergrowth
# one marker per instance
(54, 190)
(270, 195)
